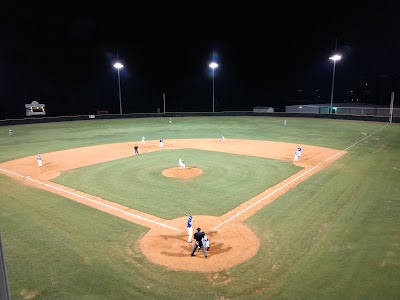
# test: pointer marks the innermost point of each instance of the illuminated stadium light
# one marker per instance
(213, 66)
(335, 58)
(118, 66)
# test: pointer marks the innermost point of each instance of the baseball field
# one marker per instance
(97, 222)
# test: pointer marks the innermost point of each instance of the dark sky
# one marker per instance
(62, 54)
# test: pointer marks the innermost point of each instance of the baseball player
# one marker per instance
(198, 236)
(136, 150)
(10, 133)
(206, 242)
(296, 155)
(222, 138)
(161, 143)
(189, 228)
(143, 141)
(39, 160)
(284, 122)
(181, 163)
(299, 149)
(170, 121)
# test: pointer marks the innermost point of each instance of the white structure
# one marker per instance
(344, 109)
(262, 109)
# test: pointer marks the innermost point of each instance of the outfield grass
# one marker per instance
(334, 236)
(227, 181)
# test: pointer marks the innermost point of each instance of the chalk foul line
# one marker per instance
(89, 199)
(295, 179)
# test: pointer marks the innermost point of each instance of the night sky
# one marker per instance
(269, 55)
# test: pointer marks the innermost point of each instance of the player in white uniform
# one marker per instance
(143, 141)
(10, 133)
(222, 138)
(206, 242)
(299, 149)
(39, 160)
(161, 143)
(296, 155)
(181, 163)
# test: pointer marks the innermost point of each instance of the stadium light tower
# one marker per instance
(118, 66)
(335, 58)
(213, 66)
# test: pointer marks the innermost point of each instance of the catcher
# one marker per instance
(206, 242)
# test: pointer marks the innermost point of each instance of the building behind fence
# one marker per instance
(344, 109)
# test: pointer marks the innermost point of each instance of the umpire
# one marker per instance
(198, 236)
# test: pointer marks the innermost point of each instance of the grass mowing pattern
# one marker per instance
(354, 256)
(227, 181)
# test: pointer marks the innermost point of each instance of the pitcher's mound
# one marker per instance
(189, 172)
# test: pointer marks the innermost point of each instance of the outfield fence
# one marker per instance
(361, 117)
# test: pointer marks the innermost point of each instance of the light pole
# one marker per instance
(213, 65)
(335, 58)
(118, 66)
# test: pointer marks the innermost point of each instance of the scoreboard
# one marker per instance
(35, 109)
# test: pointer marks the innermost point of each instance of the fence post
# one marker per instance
(4, 292)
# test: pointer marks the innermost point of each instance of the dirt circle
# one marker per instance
(231, 245)
(188, 172)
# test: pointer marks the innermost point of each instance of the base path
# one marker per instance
(166, 242)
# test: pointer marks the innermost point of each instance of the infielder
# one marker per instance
(296, 155)
(181, 163)
(222, 138)
(161, 143)
(143, 141)
(189, 228)
(299, 149)
(39, 160)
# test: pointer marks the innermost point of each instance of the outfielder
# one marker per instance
(10, 133)
(181, 163)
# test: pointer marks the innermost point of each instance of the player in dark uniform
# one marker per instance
(136, 150)
(198, 236)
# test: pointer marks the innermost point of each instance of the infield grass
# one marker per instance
(137, 182)
(334, 236)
